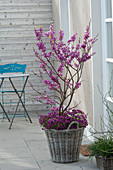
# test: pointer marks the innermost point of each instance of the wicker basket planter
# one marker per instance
(64, 145)
(104, 164)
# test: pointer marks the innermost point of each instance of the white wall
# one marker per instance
(79, 19)
(73, 17)
(17, 39)
(97, 66)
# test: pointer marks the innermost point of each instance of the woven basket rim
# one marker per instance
(102, 157)
(65, 130)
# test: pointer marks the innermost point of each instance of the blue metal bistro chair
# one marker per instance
(11, 68)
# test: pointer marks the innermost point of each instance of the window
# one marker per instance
(102, 23)
(108, 5)
(108, 40)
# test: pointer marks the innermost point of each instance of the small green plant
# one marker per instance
(103, 146)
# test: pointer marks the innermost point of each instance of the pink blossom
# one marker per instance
(41, 46)
(83, 45)
(61, 35)
(76, 65)
(64, 79)
(77, 85)
(73, 38)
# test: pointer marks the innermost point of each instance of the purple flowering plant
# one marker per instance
(64, 79)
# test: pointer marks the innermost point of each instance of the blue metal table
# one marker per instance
(11, 77)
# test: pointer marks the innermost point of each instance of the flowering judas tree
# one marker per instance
(66, 78)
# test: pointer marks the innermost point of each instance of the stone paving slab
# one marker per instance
(18, 164)
(25, 147)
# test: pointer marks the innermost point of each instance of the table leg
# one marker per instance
(1, 104)
(4, 112)
(1, 82)
(20, 100)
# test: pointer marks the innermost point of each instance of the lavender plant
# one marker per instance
(103, 146)
(64, 79)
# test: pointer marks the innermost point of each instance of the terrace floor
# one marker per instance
(24, 147)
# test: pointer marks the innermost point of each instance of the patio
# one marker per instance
(24, 147)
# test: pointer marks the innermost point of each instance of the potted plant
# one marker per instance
(64, 125)
(102, 149)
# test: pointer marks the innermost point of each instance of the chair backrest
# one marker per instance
(13, 68)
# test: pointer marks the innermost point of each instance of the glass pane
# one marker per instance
(109, 116)
(110, 76)
(108, 8)
(109, 40)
